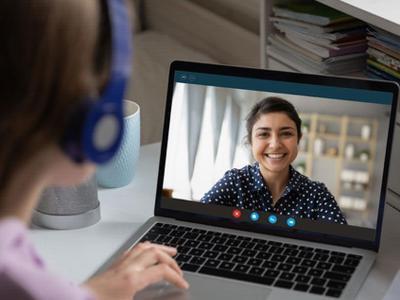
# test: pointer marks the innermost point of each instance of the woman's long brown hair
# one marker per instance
(51, 57)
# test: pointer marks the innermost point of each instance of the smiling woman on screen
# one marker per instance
(272, 184)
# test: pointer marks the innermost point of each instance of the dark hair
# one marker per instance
(54, 54)
(270, 105)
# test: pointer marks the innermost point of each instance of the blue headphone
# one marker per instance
(95, 130)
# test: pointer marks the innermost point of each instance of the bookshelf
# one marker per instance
(381, 14)
(342, 145)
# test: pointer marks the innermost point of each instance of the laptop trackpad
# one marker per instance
(204, 287)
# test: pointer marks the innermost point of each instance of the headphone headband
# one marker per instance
(96, 130)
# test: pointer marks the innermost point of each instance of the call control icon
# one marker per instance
(236, 213)
(272, 219)
(291, 222)
(254, 216)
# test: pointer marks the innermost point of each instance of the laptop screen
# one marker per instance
(292, 154)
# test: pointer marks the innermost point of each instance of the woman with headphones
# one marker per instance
(64, 67)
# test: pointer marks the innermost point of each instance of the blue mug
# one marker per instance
(120, 170)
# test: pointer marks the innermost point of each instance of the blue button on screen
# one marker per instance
(254, 216)
(290, 222)
(272, 219)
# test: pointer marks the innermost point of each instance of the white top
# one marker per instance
(76, 254)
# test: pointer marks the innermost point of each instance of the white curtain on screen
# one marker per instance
(196, 100)
(227, 139)
(176, 175)
(205, 139)
(213, 117)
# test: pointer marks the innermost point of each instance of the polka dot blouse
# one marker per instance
(245, 189)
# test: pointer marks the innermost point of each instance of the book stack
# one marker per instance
(314, 38)
(383, 55)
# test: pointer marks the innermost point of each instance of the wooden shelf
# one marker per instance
(338, 163)
(354, 190)
(329, 136)
(356, 139)
(326, 156)
(357, 160)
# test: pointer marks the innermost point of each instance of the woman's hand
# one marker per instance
(137, 268)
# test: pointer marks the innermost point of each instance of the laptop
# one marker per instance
(319, 238)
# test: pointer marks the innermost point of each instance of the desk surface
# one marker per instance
(76, 254)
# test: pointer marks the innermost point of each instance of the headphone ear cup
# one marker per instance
(94, 132)
(103, 131)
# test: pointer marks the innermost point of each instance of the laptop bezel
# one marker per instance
(336, 81)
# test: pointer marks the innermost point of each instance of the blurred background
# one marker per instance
(339, 145)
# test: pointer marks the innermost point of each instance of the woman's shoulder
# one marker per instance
(244, 172)
(23, 274)
(241, 175)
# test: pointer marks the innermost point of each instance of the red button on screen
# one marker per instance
(236, 213)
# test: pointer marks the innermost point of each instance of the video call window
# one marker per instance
(219, 152)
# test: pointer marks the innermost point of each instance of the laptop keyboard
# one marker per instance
(284, 265)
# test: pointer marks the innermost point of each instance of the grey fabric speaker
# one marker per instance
(68, 208)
